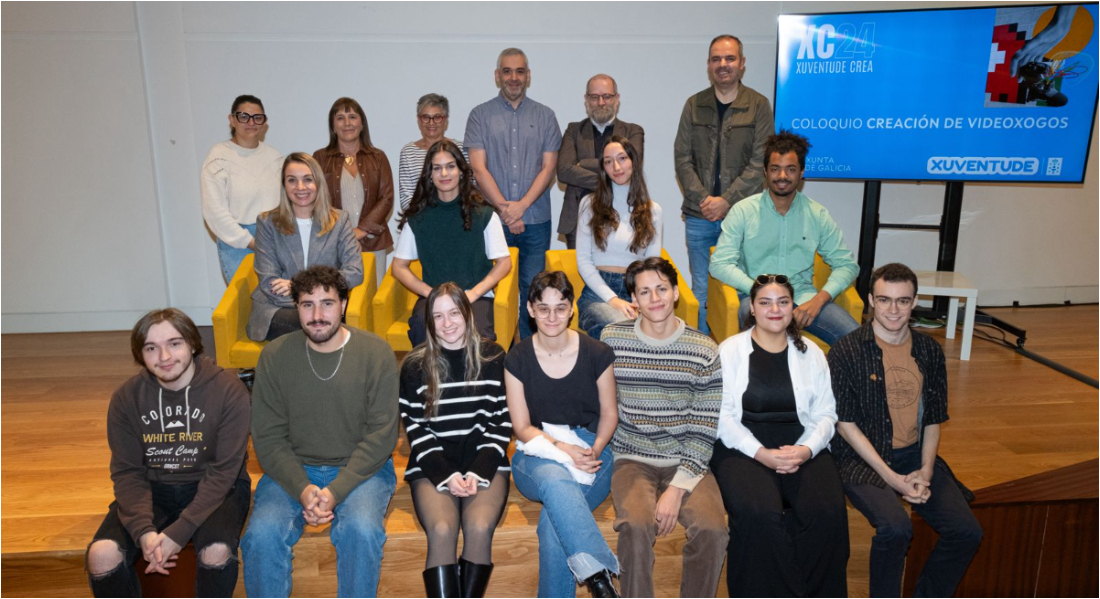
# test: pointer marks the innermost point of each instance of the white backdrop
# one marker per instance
(110, 108)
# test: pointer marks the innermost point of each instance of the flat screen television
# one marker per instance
(1003, 93)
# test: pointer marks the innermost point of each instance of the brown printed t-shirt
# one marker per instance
(903, 388)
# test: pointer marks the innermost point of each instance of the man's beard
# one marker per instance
(322, 335)
(601, 115)
(183, 371)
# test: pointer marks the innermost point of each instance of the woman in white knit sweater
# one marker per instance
(617, 225)
(240, 179)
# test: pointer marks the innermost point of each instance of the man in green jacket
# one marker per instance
(719, 154)
(324, 429)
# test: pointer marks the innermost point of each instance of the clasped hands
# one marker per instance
(317, 505)
(463, 486)
(511, 214)
(915, 487)
(714, 208)
(585, 459)
(160, 551)
(784, 460)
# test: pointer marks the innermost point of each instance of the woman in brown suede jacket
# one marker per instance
(359, 178)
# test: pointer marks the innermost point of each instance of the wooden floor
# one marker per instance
(1010, 418)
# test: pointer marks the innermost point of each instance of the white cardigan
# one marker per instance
(813, 395)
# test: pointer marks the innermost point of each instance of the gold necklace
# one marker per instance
(348, 160)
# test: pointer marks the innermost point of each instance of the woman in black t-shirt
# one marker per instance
(453, 408)
(560, 377)
(778, 415)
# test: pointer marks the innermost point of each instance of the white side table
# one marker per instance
(954, 286)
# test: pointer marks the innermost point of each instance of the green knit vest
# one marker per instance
(447, 251)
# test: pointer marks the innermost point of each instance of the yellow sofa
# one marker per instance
(231, 343)
(723, 304)
(566, 261)
(393, 305)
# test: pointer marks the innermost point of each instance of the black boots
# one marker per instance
(600, 585)
(475, 578)
(445, 581)
(442, 581)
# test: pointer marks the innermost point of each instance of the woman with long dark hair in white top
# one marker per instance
(618, 225)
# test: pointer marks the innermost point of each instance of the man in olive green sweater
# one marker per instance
(324, 429)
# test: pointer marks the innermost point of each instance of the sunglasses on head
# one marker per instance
(765, 279)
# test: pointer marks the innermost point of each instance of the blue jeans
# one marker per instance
(358, 532)
(595, 314)
(701, 236)
(946, 512)
(832, 322)
(231, 257)
(533, 243)
(571, 546)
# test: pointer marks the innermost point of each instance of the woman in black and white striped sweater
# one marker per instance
(457, 422)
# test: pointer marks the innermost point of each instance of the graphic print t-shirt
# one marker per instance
(903, 388)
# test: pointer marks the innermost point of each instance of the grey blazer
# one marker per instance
(579, 167)
(279, 256)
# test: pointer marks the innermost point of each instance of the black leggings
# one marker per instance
(440, 513)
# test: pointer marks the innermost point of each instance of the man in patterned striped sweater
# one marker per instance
(670, 394)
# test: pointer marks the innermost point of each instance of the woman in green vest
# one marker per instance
(455, 235)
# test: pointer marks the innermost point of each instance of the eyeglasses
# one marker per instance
(542, 311)
(598, 97)
(244, 117)
(882, 302)
(765, 279)
(429, 118)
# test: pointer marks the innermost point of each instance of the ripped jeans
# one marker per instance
(222, 526)
(571, 546)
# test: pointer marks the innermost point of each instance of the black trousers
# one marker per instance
(803, 553)
(223, 526)
(946, 512)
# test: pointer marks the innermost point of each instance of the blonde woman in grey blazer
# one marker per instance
(304, 230)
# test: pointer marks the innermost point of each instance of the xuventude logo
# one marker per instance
(982, 165)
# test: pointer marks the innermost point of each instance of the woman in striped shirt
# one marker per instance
(432, 116)
(457, 422)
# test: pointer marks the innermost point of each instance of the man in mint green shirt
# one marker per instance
(777, 232)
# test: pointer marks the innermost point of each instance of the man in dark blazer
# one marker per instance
(581, 156)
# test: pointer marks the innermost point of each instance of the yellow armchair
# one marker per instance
(723, 304)
(231, 343)
(566, 261)
(392, 306)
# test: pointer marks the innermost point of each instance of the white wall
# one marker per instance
(139, 92)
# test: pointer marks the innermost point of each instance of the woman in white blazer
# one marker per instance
(303, 231)
(780, 485)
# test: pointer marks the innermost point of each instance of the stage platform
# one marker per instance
(1010, 418)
